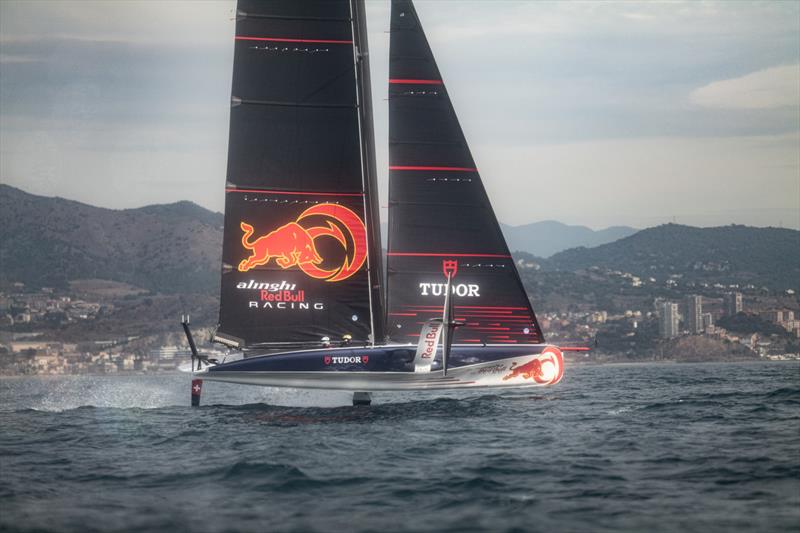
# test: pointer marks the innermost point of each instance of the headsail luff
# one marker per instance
(440, 218)
(296, 247)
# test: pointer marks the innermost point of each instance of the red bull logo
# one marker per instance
(547, 368)
(295, 244)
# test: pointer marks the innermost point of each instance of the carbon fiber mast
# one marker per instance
(372, 206)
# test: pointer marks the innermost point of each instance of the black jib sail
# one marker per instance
(301, 252)
(440, 218)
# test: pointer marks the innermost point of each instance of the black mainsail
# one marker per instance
(301, 251)
(440, 218)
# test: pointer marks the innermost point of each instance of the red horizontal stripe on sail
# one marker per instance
(421, 254)
(481, 311)
(415, 81)
(516, 325)
(500, 309)
(495, 315)
(490, 307)
(402, 314)
(491, 314)
(441, 169)
(301, 193)
(498, 316)
(287, 40)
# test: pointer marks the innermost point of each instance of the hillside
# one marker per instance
(164, 248)
(549, 237)
(729, 254)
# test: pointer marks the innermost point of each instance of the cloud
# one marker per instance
(684, 18)
(161, 23)
(638, 16)
(765, 89)
(642, 182)
(18, 58)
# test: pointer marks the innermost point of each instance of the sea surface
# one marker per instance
(668, 447)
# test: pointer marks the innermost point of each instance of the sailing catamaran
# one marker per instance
(304, 293)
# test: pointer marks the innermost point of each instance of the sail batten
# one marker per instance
(441, 223)
(241, 101)
(445, 254)
(440, 169)
(291, 40)
(415, 82)
(290, 192)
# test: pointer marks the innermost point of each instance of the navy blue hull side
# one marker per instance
(372, 359)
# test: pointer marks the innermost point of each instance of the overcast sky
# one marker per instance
(584, 112)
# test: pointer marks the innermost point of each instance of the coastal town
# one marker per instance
(34, 322)
(629, 317)
(694, 322)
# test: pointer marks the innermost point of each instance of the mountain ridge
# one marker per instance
(733, 254)
(176, 248)
(165, 247)
(548, 237)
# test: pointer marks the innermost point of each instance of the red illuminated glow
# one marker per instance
(294, 245)
(408, 81)
(424, 254)
(289, 40)
(293, 193)
(437, 169)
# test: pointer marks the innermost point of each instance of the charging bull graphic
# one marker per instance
(294, 244)
(290, 244)
(546, 368)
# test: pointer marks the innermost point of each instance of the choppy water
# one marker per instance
(706, 447)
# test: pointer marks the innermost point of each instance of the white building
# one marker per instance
(668, 320)
(694, 314)
(733, 303)
(708, 321)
